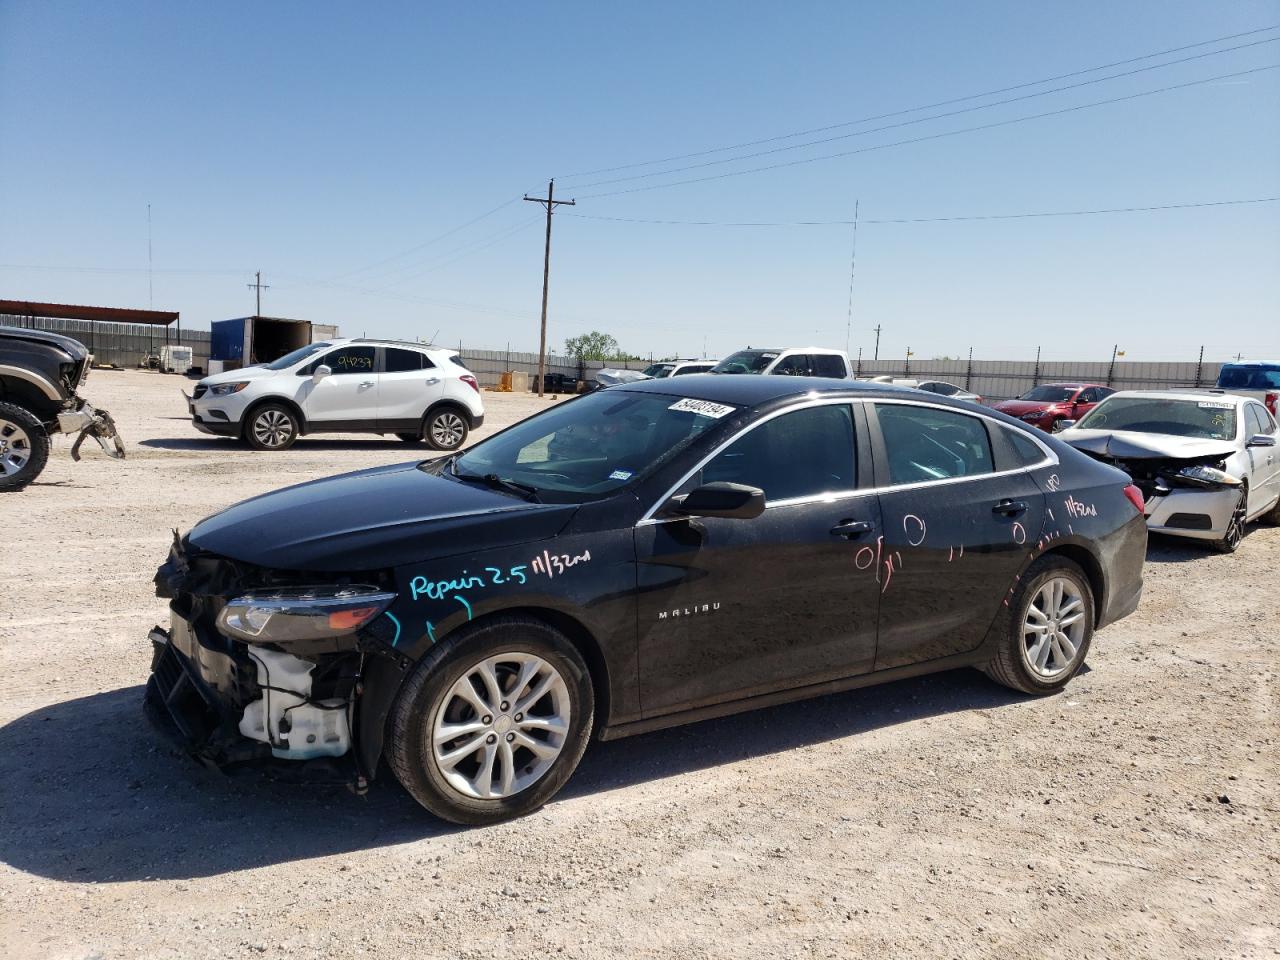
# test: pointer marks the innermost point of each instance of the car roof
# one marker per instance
(753, 389)
(1181, 395)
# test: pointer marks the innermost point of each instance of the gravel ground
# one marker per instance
(1134, 816)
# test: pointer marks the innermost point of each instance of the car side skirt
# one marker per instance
(970, 658)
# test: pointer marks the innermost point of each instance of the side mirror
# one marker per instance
(735, 501)
(321, 372)
(1060, 425)
(1261, 440)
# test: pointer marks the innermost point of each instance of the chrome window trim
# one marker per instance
(1050, 457)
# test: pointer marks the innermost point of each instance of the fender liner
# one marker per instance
(383, 677)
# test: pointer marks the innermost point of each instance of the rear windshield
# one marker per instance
(746, 361)
(1252, 377)
(289, 359)
(1197, 419)
(588, 448)
(1050, 394)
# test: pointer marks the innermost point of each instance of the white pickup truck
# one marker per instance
(791, 361)
(1261, 381)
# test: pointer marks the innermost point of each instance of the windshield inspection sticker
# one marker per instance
(620, 475)
(703, 408)
(1217, 404)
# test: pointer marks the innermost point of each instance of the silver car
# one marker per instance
(1206, 461)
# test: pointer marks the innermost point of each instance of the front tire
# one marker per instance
(1046, 629)
(446, 429)
(492, 722)
(1235, 527)
(24, 447)
(272, 426)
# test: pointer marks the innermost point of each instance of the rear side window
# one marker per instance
(457, 360)
(800, 454)
(825, 365)
(1025, 449)
(400, 361)
(924, 443)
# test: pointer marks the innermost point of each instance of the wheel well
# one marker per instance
(1087, 562)
(284, 402)
(450, 404)
(13, 390)
(586, 644)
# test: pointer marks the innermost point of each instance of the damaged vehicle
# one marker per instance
(471, 622)
(40, 378)
(1206, 462)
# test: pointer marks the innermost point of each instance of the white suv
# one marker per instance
(792, 361)
(343, 386)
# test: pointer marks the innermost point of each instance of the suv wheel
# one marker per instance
(1046, 628)
(272, 426)
(24, 446)
(446, 429)
(492, 722)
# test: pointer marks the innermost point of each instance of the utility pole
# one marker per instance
(259, 286)
(1111, 370)
(1239, 357)
(550, 202)
(853, 261)
(1200, 366)
(877, 354)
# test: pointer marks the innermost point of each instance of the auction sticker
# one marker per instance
(620, 475)
(1217, 404)
(703, 408)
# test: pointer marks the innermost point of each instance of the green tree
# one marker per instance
(592, 346)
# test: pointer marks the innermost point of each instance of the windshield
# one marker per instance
(1254, 377)
(1199, 419)
(1050, 394)
(659, 370)
(289, 359)
(588, 448)
(746, 361)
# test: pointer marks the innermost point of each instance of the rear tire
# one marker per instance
(24, 447)
(1046, 629)
(446, 429)
(1235, 527)
(448, 691)
(272, 426)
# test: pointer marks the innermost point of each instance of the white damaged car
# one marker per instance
(1206, 461)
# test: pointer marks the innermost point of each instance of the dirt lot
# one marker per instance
(1135, 816)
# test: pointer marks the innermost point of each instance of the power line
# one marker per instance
(919, 120)
(461, 253)
(984, 216)
(930, 106)
(935, 136)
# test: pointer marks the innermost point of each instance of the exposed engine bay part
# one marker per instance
(88, 422)
(285, 716)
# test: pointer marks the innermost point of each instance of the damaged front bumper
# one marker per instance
(86, 421)
(1198, 514)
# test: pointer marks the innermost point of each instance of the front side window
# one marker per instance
(746, 361)
(1259, 419)
(796, 365)
(347, 360)
(828, 365)
(924, 443)
(801, 454)
(658, 370)
(1088, 396)
(1201, 419)
(590, 447)
(1049, 394)
(692, 368)
(401, 361)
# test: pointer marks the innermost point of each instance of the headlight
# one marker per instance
(1209, 476)
(303, 613)
(223, 389)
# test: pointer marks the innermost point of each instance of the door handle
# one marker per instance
(366, 383)
(432, 381)
(1010, 508)
(852, 529)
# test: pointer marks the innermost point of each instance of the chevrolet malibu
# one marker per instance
(703, 545)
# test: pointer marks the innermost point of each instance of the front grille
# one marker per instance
(200, 391)
(1190, 521)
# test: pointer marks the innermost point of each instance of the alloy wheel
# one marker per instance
(1235, 528)
(15, 448)
(1053, 628)
(272, 428)
(501, 726)
(447, 430)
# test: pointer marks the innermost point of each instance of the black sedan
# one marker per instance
(645, 556)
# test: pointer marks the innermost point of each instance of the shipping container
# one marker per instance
(246, 341)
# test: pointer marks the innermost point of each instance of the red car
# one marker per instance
(1045, 405)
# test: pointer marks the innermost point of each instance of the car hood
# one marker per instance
(1129, 445)
(72, 347)
(373, 519)
(1016, 408)
(258, 372)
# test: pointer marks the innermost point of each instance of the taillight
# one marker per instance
(470, 381)
(1272, 401)
(1135, 497)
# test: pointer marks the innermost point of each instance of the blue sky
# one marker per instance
(327, 144)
